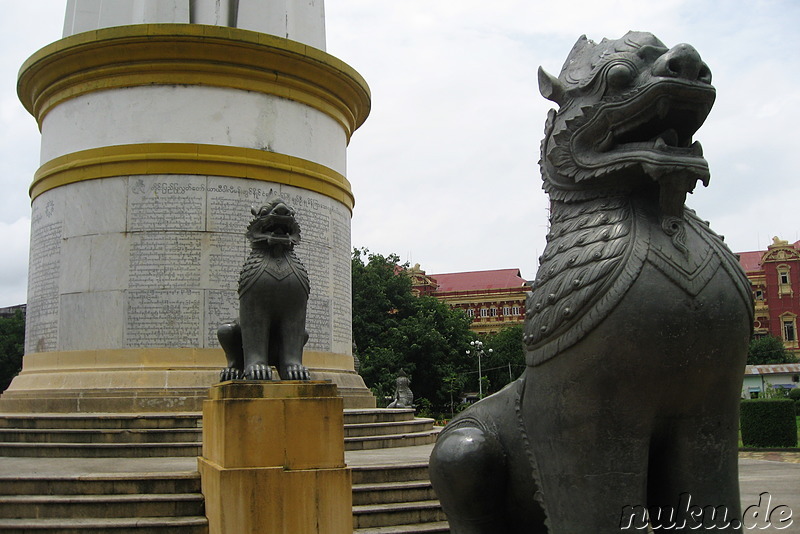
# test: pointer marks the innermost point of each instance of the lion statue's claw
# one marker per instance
(258, 371)
(230, 373)
(295, 371)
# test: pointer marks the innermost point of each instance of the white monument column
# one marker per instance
(163, 122)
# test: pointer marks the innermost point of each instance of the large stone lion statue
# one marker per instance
(273, 294)
(637, 324)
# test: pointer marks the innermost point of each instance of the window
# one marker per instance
(470, 313)
(759, 294)
(515, 310)
(506, 310)
(484, 312)
(784, 281)
(493, 312)
(789, 333)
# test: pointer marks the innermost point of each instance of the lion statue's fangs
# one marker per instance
(273, 295)
(636, 327)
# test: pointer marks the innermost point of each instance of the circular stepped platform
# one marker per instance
(397, 497)
(391, 494)
(73, 499)
(115, 435)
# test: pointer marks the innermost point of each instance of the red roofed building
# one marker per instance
(774, 276)
(493, 299)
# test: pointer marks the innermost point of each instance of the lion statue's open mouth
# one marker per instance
(628, 107)
(274, 224)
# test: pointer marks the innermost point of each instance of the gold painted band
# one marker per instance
(191, 159)
(192, 54)
(153, 359)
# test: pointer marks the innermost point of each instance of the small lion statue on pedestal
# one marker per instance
(273, 294)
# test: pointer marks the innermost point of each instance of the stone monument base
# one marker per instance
(147, 380)
(273, 459)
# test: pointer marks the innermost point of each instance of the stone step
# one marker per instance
(393, 492)
(101, 435)
(101, 506)
(385, 515)
(418, 528)
(377, 474)
(391, 440)
(377, 415)
(99, 450)
(188, 448)
(100, 420)
(119, 525)
(102, 484)
(388, 427)
(168, 420)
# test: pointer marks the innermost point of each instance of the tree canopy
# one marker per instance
(12, 347)
(768, 349)
(507, 360)
(394, 330)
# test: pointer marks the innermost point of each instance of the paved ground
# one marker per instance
(777, 473)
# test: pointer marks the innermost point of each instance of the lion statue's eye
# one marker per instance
(620, 76)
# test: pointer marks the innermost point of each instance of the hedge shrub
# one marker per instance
(768, 423)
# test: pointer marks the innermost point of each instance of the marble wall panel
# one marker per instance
(75, 264)
(94, 207)
(110, 259)
(90, 320)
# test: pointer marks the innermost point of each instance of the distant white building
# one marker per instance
(757, 378)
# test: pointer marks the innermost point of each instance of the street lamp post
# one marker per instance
(478, 345)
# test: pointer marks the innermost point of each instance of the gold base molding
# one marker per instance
(192, 54)
(191, 159)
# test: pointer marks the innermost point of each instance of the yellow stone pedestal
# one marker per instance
(273, 459)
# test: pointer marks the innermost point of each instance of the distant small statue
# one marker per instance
(273, 294)
(356, 360)
(403, 397)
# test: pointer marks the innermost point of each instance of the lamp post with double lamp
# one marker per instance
(478, 346)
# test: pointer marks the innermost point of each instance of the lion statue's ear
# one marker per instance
(254, 210)
(551, 87)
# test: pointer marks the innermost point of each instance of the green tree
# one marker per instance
(12, 346)
(507, 354)
(393, 329)
(768, 349)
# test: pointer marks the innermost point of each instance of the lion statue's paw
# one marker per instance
(295, 371)
(258, 371)
(230, 373)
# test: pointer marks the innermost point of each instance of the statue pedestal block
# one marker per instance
(273, 459)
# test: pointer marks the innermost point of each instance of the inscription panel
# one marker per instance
(184, 249)
(166, 318)
(166, 203)
(44, 272)
(165, 260)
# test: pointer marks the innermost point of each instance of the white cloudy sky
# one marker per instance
(445, 169)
